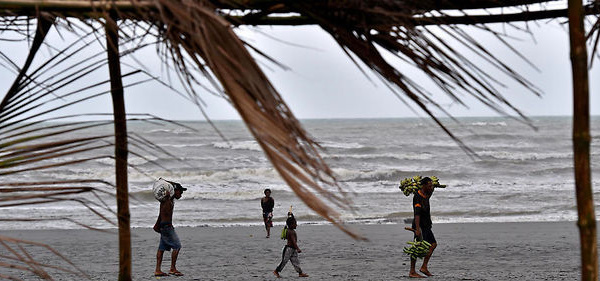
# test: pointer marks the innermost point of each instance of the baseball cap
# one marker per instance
(178, 186)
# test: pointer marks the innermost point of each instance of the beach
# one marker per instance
(466, 251)
(506, 215)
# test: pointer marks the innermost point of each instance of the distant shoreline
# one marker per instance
(280, 223)
(360, 118)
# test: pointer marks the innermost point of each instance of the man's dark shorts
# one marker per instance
(427, 235)
(168, 239)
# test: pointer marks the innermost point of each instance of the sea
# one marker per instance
(518, 172)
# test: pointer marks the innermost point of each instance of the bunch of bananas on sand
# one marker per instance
(417, 249)
(412, 185)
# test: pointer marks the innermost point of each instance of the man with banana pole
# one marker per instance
(422, 225)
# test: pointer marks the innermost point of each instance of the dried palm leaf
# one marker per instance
(593, 35)
(196, 36)
(193, 31)
(27, 146)
(18, 253)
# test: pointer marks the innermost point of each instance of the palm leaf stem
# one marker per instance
(45, 195)
(31, 267)
(16, 266)
(38, 189)
(56, 182)
(47, 145)
(43, 28)
(523, 16)
(4, 239)
(31, 261)
(66, 163)
(121, 150)
(30, 203)
(70, 104)
(586, 216)
(27, 138)
(37, 157)
(144, 142)
(25, 129)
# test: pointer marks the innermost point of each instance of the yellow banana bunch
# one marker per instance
(417, 249)
(436, 182)
(412, 185)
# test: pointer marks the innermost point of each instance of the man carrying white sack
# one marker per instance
(164, 225)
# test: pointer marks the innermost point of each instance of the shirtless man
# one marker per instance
(291, 249)
(168, 238)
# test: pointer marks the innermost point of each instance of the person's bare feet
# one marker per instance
(160, 273)
(415, 275)
(276, 273)
(302, 275)
(425, 271)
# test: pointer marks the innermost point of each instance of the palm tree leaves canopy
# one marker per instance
(198, 40)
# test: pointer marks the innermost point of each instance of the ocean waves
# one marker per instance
(525, 156)
(518, 174)
(254, 146)
(381, 157)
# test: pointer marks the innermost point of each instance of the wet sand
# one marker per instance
(472, 251)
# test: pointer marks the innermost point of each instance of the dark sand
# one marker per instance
(474, 251)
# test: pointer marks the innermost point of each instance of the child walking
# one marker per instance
(291, 249)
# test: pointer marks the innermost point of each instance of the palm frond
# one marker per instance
(593, 35)
(17, 251)
(196, 40)
(195, 34)
(32, 142)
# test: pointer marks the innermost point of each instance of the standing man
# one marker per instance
(422, 225)
(168, 238)
(267, 203)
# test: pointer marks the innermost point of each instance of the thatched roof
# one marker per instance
(198, 39)
(200, 34)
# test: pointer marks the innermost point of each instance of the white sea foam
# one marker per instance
(236, 195)
(341, 145)
(407, 156)
(238, 145)
(534, 218)
(434, 143)
(258, 174)
(106, 161)
(486, 124)
(135, 160)
(510, 155)
(182, 145)
(375, 175)
(224, 177)
(160, 131)
(172, 131)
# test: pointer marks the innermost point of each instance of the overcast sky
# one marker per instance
(323, 83)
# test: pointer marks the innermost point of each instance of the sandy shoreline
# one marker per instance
(470, 251)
